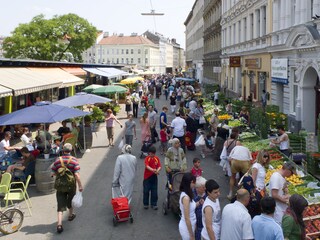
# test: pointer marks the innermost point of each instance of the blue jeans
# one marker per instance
(129, 139)
(150, 185)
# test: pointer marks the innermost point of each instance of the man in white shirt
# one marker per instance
(279, 190)
(235, 220)
(178, 126)
(216, 98)
(5, 145)
(239, 158)
(192, 105)
(135, 103)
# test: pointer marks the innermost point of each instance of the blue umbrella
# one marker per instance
(185, 79)
(82, 98)
(41, 112)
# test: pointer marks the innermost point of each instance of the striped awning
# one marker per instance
(5, 92)
(77, 71)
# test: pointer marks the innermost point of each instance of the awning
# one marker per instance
(23, 81)
(67, 79)
(77, 71)
(5, 92)
(106, 72)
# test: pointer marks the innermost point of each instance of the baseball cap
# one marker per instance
(290, 166)
(67, 147)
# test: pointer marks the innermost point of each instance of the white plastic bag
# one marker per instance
(200, 141)
(121, 144)
(77, 200)
(202, 120)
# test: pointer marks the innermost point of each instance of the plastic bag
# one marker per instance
(200, 141)
(77, 200)
(121, 144)
(202, 120)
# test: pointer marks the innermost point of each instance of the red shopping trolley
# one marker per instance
(121, 207)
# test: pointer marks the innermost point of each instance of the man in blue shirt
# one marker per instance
(264, 226)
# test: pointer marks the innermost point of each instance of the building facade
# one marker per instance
(194, 40)
(212, 41)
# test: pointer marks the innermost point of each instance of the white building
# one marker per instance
(194, 40)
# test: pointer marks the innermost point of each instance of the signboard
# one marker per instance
(253, 63)
(235, 61)
(217, 69)
(279, 70)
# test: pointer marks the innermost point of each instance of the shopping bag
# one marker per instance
(202, 120)
(121, 144)
(200, 141)
(77, 200)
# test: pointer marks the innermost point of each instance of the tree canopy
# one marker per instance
(60, 38)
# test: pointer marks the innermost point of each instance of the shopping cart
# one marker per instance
(120, 205)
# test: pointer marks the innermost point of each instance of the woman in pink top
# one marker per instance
(145, 127)
(110, 119)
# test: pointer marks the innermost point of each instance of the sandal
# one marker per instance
(73, 216)
(59, 229)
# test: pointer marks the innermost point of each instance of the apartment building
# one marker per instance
(194, 40)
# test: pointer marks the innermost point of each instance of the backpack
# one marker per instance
(65, 180)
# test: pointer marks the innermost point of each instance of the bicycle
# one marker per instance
(10, 219)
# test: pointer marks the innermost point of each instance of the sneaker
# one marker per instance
(229, 196)
(155, 207)
(145, 207)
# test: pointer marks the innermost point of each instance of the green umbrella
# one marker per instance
(109, 89)
(120, 84)
(91, 87)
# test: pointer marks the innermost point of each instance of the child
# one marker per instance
(150, 182)
(164, 139)
(196, 170)
(209, 144)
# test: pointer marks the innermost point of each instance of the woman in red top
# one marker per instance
(150, 182)
(144, 99)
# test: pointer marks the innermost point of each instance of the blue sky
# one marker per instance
(113, 16)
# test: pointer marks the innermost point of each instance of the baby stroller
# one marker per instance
(121, 208)
(173, 196)
(145, 147)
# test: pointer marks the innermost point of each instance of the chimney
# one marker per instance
(106, 34)
(134, 34)
(121, 35)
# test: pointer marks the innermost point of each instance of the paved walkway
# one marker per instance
(94, 219)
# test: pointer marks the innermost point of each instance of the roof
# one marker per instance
(125, 40)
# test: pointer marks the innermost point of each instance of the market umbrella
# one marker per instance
(41, 112)
(109, 89)
(81, 99)
(91, 87)
(120, 84)
(185, 79)
(131, 80)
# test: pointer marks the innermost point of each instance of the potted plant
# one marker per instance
(46, 153)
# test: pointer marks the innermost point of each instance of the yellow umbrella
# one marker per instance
(131, 80)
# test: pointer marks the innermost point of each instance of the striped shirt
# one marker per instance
(73, 165)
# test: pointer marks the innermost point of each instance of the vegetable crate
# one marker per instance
(297, 143)
(313, 163)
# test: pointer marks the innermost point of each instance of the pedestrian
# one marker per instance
(199, 113)
(279, 190)
(240, 158)
(264, 99)
(178, 129)
(163, 117)
(235, 219)
(110, 119)
(125, 171)
(199, 196)
(222, 135)
(259, 169)
(150, 182)
(211, 212)
(214, 121)
(292, 222)
(135, 103)
(64, 199)
(264, 227)
(144, 99)
(166, 91)
(282, 141)
(196, 170)
(145, 128)
(129, 130)
(187, 224)
(152, 116)
(151, 101)
(216, 98)
(173, 102)
(192, 128)
(245, 115)
(128, 102)
(164, 136)
(142, 109)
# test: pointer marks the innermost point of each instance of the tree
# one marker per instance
(53, 39)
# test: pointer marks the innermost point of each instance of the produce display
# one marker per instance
(255, 146)
(248, 136)
(313, 226)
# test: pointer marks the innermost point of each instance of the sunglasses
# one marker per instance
(266, 156)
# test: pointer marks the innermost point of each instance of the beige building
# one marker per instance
(212, 41)
(194, 40)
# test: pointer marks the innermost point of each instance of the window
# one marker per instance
(112, 51)
(146, 51)
(139, 51)
(107, 51)
(117, 51)
(127, 60)
(131, 51)
(122, 51)
(131, 60)
(122, 60)
(139, 60)
(146, 60)
(127, 51)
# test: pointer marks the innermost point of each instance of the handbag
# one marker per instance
(202, 120)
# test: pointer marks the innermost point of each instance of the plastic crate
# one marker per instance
(313, 163)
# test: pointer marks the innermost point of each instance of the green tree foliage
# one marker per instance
(53, 39)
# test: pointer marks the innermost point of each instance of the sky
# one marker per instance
(113, 16)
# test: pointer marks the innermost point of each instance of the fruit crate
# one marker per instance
(297, 143)
(313, 163)
(313, 236)
(312, 226)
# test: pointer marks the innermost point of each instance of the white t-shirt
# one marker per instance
(240, 153)
(278, 182)
(178, 125)
(284, 145)
(25, 140)
(236, 222)
(192, 105)
(216, 218)
(216, 95)
(4, 143)
(260, 175)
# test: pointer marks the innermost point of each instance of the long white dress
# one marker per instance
(124, 173)
(183, 229)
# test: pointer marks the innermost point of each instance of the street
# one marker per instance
(94, 218)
